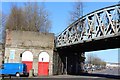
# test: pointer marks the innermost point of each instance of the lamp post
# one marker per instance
(66, 65)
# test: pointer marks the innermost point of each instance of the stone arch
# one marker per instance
(44, 56)
(27, 58)
(43, 63)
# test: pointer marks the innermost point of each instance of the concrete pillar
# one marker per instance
(51, 65)
(35, 65)
(75, 63)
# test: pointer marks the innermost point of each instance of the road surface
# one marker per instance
(106, 74)
(63, 77)
(109, 71)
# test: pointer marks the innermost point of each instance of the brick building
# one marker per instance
(32, 48)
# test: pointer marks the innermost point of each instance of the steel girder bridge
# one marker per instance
(97, 30)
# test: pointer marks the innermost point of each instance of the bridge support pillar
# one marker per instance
(68, 63)
(75, 63)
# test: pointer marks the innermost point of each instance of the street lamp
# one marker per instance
(66, 65)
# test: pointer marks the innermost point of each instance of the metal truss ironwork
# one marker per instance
(99, 24)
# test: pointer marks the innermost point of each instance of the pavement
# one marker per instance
(61, 77)
(94, 75)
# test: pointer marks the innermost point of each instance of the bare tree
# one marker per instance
(29, 14)
(44, 20)
(0, 26)
(29, 18)
(118, 2)
(93, 59)
(15, 20)
(37, 17)
(3, 19)
(77, 11)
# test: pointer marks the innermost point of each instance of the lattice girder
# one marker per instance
(101, 23)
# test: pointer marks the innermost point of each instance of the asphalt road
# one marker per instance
(61, 77)
(106, 74)
(66, 77)
(109, 71)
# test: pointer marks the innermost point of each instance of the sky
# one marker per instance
(59, 15)
(109, 55)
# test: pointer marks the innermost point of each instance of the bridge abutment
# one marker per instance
(68, 62)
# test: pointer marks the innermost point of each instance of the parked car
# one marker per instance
(86, 69)
(16, 69)
(98, 67)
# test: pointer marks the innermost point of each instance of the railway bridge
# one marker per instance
(97, 30)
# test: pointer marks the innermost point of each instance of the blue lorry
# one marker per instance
(16, 69)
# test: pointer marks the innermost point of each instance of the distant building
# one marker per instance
(112, 65)
(32, 48)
